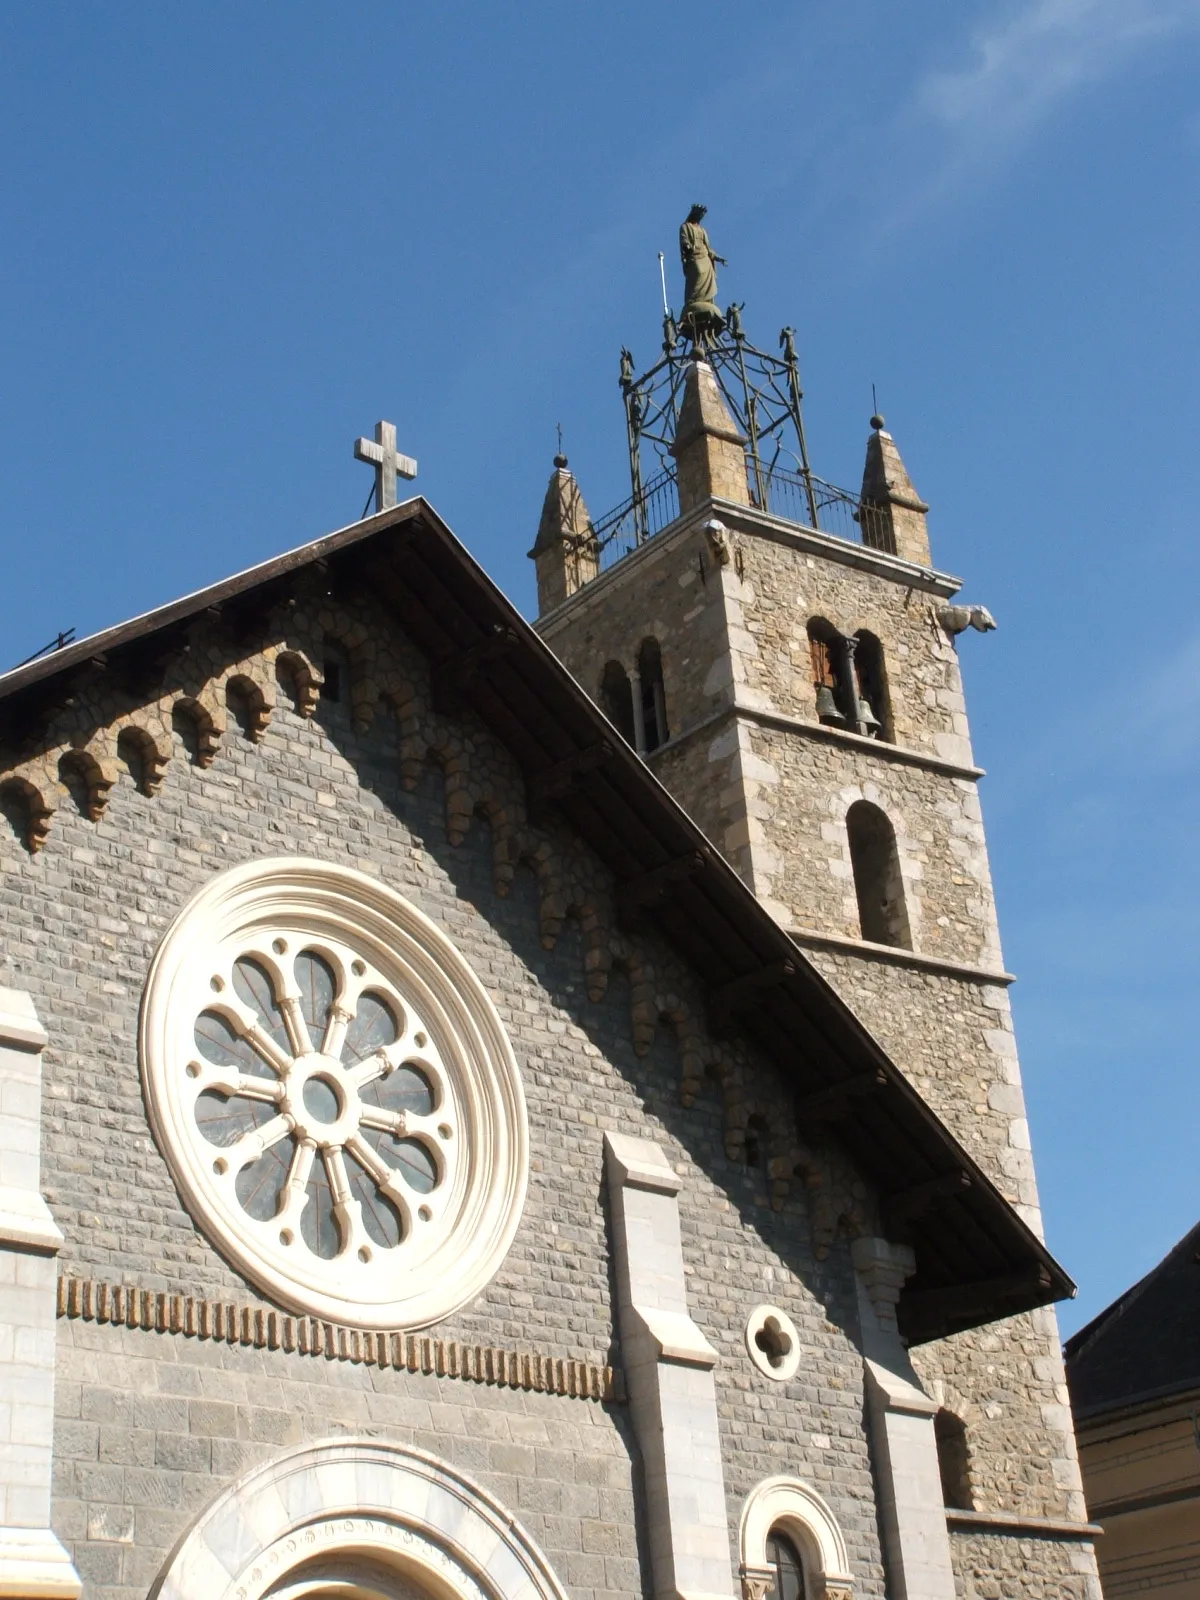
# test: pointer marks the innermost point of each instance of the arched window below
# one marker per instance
(654, 705)
(784, 1562)
(874, 706)
(616, 699)
(790, 1544)
(882, 915)
(954, 1462)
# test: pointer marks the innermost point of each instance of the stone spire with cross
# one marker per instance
(389, 464)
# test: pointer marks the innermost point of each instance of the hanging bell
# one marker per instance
(827, 707)
(868, 722)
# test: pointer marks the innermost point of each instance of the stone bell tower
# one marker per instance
(784, 655)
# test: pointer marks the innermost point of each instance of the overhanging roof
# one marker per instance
(977, 1260)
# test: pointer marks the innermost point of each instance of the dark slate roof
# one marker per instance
(977, 1260)
(1146, 1344)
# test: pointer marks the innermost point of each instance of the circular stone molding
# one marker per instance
(773, 1343)
(335, 1094)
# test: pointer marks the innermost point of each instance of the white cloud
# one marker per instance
(1024, 66)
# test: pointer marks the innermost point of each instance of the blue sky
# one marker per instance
(235, 236)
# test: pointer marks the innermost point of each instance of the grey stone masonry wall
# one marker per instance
(608, 1035)
(151, 1426)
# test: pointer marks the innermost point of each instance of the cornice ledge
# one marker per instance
(748, 519)
(898, 956)
(814, 730)
(1014, 1522)
(856, 741)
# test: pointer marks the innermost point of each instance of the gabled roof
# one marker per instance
(977, 1260)
(1144, 1346)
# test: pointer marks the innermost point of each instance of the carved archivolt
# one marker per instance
(359, 1516)
(99, 732)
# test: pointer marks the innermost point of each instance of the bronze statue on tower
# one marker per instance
(701, 318)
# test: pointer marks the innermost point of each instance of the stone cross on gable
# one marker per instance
(382, 454)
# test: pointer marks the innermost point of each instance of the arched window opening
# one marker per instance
(786, 1567)
(616, 699)
(954, 1463)
(882, 915)
(827, 649)
(335, 674)
(654, 704)
(874, 707)
(756, 1140)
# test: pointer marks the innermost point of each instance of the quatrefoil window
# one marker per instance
(773, 1343)
(335, 1094)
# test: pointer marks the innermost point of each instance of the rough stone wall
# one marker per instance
(781, 587)
(803, 789)
(671, 590)
(731, 616)
(953, 1038)
(606, 1031)
(999, 1566)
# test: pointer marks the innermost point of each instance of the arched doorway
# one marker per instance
(356, 1519)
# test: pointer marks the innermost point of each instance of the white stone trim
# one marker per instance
(363, 1499)
(912, 1513)
(797, 1510)
(781, 1325)
(668, 1371)
(32, 1561)
(450, 1254)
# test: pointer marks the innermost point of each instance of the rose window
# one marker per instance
(335, 1094)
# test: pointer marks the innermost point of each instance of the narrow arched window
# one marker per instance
(616, 699)
(874, 707)
(835, 698)
(882, 915)
(954, 1464)
(654, 704)
(787, 1569)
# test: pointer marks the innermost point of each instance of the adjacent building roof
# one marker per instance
(977, 1260)
(1146, 1345)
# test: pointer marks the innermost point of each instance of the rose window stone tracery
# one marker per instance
(324, 1095)
(335, 1094)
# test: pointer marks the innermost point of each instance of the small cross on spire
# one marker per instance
(389, 464)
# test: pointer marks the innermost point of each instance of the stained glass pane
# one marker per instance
(217, 1042)
(406, 1089)
(373, 1027)
(223, 1119)
(318, 988)
(318, 1225)
(260, 1184)
(253, 987)
(380, 1217)
(409, 1157)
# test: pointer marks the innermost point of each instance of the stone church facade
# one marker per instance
(435, 1161)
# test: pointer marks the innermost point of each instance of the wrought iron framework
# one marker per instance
(763, 394)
